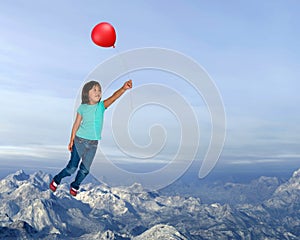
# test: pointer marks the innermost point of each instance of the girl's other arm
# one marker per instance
(74, 130)
(127, 85)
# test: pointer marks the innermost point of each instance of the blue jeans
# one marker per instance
(82, 149)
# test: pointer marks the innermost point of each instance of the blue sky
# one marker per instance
(249, 48)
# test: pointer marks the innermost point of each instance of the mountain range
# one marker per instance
(29, 210)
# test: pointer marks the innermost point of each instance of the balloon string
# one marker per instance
(123, 63)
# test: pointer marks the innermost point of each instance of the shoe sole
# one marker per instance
(52, 186)
(73, 192)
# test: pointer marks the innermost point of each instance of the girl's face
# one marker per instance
(95, 94)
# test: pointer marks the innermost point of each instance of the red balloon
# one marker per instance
(104, 35)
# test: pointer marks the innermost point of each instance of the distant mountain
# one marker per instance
(29, 210)
(233, 193)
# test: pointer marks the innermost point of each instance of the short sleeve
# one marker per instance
(101, 106)
(80, 109)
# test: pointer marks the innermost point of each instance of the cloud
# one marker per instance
(32, 118)
(33, 152)
(256, 161)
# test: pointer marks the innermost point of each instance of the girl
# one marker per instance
(86, 132)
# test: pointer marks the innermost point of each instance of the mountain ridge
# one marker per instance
(29, 210)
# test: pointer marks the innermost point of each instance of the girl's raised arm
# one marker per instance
(127, 85)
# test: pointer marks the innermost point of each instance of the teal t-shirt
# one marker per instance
(92, 121)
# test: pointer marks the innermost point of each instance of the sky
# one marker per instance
(250, 49)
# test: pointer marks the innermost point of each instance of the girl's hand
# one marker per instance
(127, 85)
(70, 146)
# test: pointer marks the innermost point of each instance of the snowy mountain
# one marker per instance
(29, 210)
(233, 193)
(160, 231)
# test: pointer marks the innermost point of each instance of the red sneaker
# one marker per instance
(73, 191)
(53, 185)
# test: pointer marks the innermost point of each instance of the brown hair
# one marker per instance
(85, 91)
